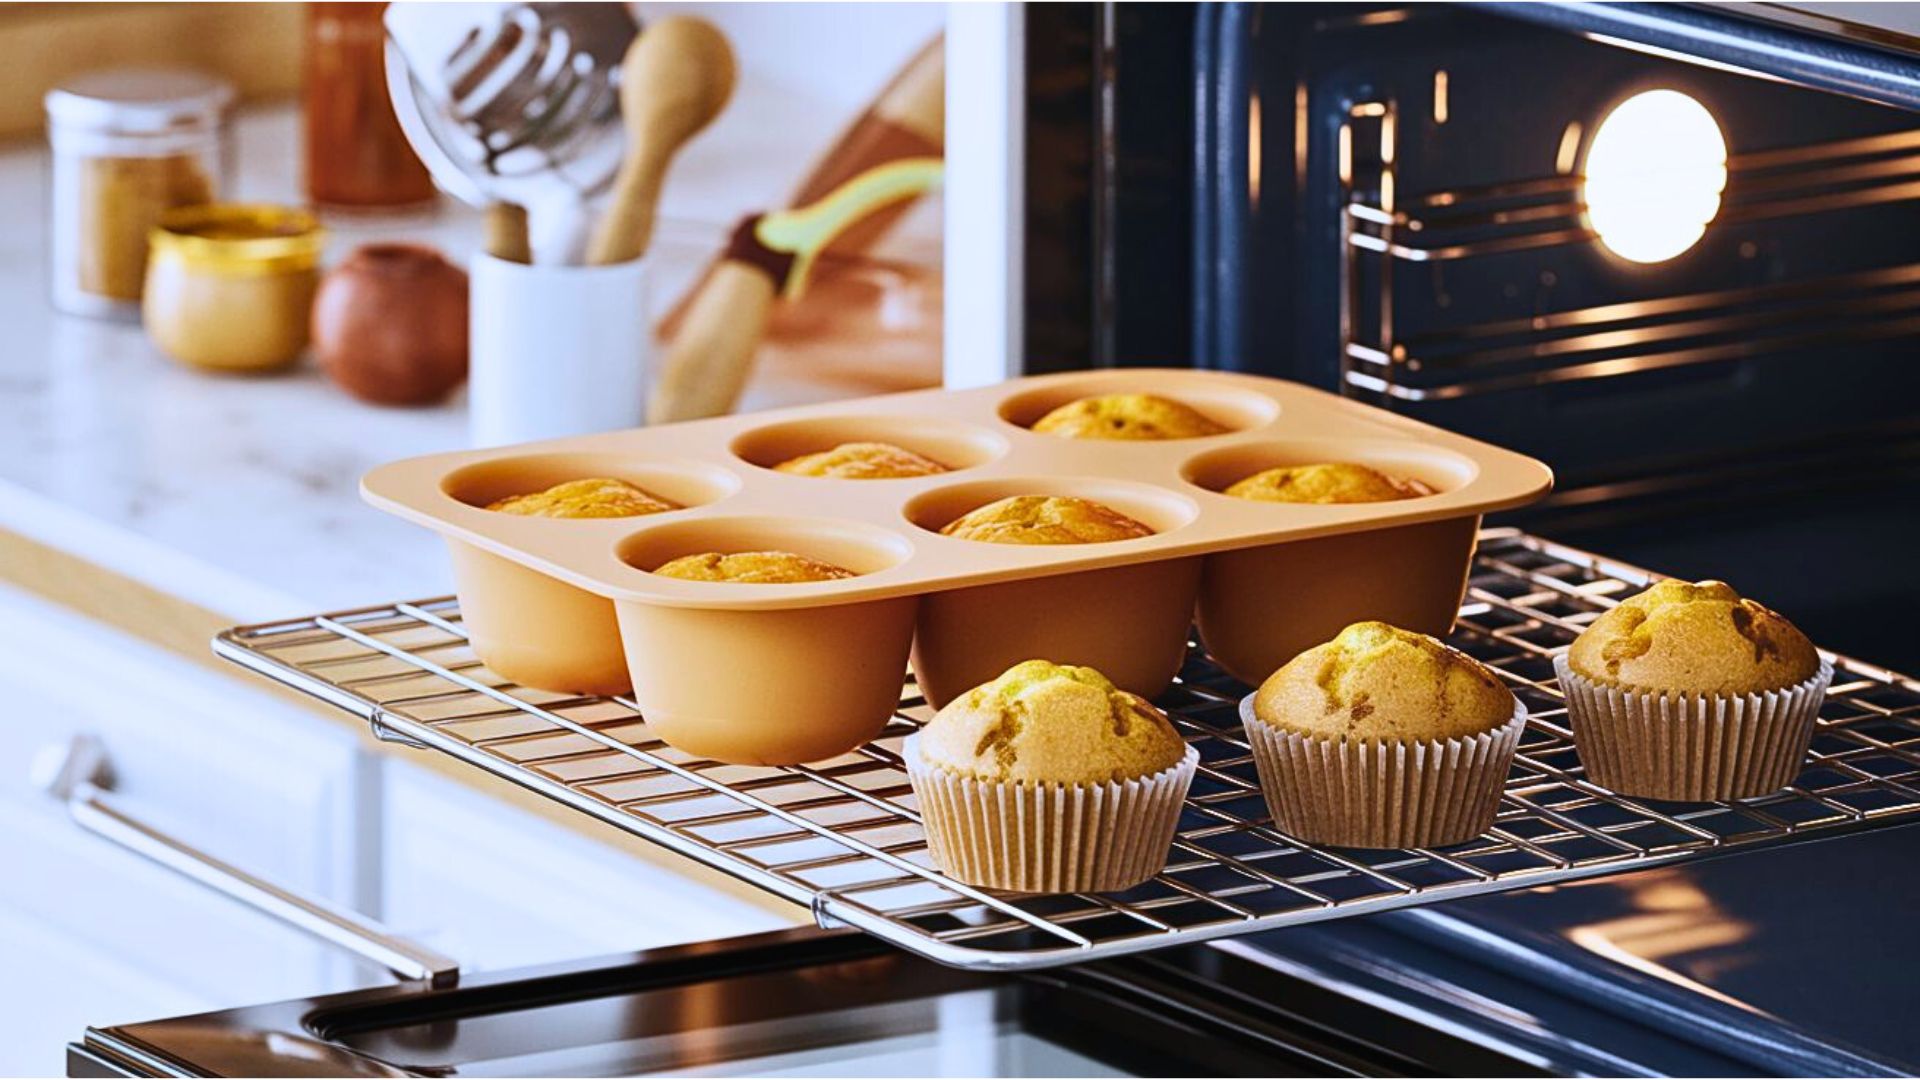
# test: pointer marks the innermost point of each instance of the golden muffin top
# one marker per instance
(1328, 482)
(1127, 416)
(1699, 638)
(1379, 682)
(1047, 723)
(593, 497)
(862, 461)
(752, 568)
(1045, 519)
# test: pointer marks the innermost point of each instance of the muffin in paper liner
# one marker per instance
(1655, 744)
(1382, 793)
(1049, 838)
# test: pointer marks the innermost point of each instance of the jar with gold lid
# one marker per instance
(230, 287)
(126, 145)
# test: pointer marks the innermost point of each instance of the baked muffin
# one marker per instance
(1045, 519)
(752, 568)
(862, 461)
(1050, 779)
(1324, 483)
(1690, 691)
(1699, 638)
(1127, 416)
(1383, 738)
(593, 497)
(1376, 681)
(1049, 723)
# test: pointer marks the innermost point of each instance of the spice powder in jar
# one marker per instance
(230, 287)
(126, 146)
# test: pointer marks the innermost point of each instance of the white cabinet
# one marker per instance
(95, 935)
(497, 893)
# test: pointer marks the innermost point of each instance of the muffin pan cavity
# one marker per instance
(1229, 406)
(768, 687)
(527, 625)
(952, 443)
(1128, 622)
(535, 629)
(795, 672)
(1260, 607)
(686, 483)
(1157, 508)
(850, 545)
(1439, 469)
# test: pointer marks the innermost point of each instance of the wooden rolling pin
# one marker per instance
(706, 367)
(907, 120)
(711, 355)
(676, 77)
(770, 254)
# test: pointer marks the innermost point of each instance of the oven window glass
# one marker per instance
(971, 1033)
(877, 1016)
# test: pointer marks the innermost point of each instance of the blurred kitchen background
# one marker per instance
(162, 477)
(101, 392)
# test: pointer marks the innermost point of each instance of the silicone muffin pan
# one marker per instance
(780, 674)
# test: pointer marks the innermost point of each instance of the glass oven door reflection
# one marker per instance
(968, 1033)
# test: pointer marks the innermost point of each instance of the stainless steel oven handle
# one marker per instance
(77, 774)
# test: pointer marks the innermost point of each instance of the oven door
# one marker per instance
(1738, 966)
(1390, 200)
(811, 1002)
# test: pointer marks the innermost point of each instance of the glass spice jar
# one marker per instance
(357, 156)
(126, 147)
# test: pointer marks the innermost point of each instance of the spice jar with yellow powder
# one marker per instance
(127, 146)
(230, 287)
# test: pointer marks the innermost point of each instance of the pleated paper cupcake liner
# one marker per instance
(1382, 793)
(1691, 747)
(1049, 838)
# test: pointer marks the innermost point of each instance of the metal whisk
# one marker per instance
(514, 102)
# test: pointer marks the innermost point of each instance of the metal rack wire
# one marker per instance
(843, 837)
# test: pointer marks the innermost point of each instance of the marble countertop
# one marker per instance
(240, 494)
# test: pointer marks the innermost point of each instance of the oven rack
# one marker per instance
(1640, 335)
(843, 837)
(1382, 226)
(1546, 211)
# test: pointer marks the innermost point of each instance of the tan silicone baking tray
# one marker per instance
(787, 673)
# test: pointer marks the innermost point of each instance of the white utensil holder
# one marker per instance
(556, 350)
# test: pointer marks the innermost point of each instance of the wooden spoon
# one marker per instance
(506, 233)
(677, 76)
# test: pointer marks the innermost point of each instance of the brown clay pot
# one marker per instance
(390, 324)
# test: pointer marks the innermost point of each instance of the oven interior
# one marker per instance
(1393, 202)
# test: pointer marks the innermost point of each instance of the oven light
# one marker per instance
(1654, 175)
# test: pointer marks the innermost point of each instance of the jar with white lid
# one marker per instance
(126, 146)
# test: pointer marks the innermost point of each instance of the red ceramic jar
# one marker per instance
(390, 324)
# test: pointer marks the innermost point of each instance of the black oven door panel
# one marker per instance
(1389, 202)
(1742, 410)
(1456, 139)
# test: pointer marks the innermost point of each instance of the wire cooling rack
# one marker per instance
(844, 836)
